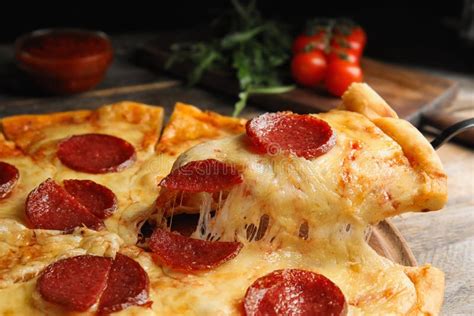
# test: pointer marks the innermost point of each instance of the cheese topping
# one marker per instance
(26, 252)
(135, 187)
(32, 173)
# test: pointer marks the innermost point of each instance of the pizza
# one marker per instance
(102, 212)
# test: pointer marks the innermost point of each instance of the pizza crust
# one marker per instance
(422, 157)
(189, 126)
(7, 148)
(362, 99)
(147, 118)
(429, 285)
(24, 130)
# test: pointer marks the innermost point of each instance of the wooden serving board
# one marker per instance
(387, 240)
(411, 93)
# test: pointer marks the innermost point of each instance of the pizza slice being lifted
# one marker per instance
(299, 192)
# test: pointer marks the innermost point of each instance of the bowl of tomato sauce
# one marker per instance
(64, 61)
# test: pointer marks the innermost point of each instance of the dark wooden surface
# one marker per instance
(387, 240)
(411, 93)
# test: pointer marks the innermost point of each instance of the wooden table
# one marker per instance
(445, 238)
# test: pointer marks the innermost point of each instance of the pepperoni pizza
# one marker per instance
(219, 216)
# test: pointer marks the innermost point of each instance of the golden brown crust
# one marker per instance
(147, 116)
(423, 159)
(25, 130)
(429, 285)
(189, 126)
(361, 98)
(7, 148)
(130, 112)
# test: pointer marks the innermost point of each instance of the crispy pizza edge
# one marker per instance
(429, 284)
(361, 98)
(207, 125)
(26, 129)
(8, 148)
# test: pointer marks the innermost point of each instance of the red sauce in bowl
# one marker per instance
(64, 61)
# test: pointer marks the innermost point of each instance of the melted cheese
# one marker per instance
(135, 187)
(17, 300)
(332, 198)
(32, 173)
(363, 179)
(371, 286)
(119, 182)
(25, 252)
(370, 283)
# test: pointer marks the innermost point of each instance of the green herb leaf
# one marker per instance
(271, 90)
(236, 38)
(204, 64)
(240, 105)
(255, 48)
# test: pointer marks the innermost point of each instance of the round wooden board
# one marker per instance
(387, 240)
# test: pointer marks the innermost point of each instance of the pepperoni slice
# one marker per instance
(49, 206)
(294, 292)
(187, 254)
(208, 175)
(96, 153)
(75, 283)
(285, 132)
(99, 200)
(9, 175)
(127, 285)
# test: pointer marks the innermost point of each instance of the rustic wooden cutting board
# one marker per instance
(411, 93)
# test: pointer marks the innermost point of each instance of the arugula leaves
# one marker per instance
(257, 49)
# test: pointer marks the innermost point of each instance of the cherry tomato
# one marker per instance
(309, 68)
(340, 75)
(302, 42)
(342, 54)
(354, 41)
(358, 35)
(339, 42)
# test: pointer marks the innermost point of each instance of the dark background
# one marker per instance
(420, 33)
